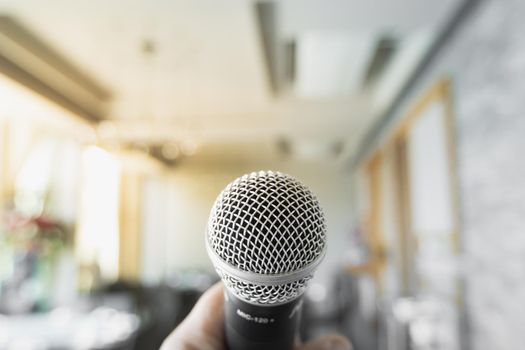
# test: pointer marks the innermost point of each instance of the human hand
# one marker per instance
(203, 328)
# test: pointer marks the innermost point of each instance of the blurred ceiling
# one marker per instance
(202, 70)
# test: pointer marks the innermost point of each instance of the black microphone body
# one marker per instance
(256, 327)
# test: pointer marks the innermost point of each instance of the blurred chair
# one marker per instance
(334, 307)
(160, 308)
(418, 324)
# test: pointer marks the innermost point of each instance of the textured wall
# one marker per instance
(486, 61)
(490, 98)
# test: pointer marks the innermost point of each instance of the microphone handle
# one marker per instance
(256, 327)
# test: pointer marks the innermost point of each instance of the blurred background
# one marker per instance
(121, 121)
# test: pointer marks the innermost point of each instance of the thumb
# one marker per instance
(329, 342)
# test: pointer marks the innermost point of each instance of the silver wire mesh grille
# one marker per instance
(266, 223)
(264, 294)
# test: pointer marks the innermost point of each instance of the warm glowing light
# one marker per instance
(98, 229)
(34, 178)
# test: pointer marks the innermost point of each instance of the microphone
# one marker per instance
(266, 235)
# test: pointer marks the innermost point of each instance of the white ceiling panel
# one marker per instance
(331, 64)
(375, 16)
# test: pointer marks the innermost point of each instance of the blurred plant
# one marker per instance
(41, 234)
(30, 247)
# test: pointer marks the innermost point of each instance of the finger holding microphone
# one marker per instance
(203, 329)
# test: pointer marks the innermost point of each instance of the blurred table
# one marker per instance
(63, 328)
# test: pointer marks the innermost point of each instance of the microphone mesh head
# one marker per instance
(266, 223)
